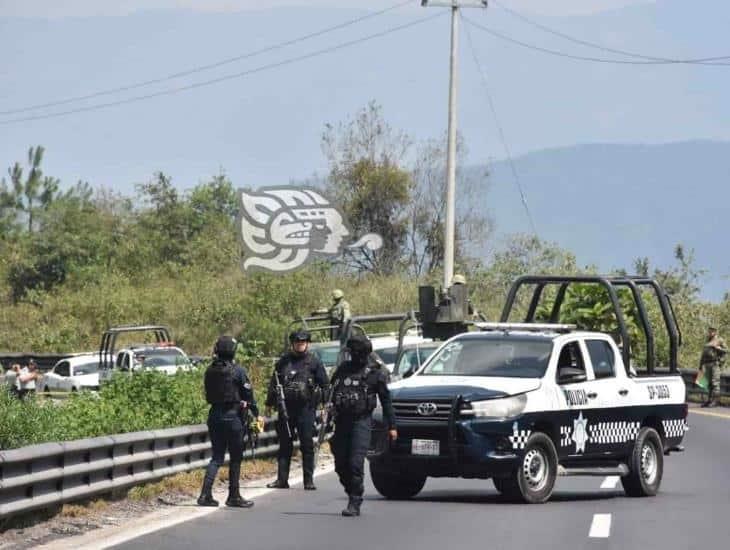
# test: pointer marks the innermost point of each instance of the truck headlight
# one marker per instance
(506, 407)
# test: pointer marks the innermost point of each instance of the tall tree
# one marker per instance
(427, 209)
(35, 191)
(367, 180)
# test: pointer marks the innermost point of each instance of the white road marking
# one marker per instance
(610, 482)
(601, 526)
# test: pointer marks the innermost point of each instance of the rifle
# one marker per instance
(250, 432)
(326, 420)
(281, 403)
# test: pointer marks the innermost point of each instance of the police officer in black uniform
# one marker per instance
(357, 384)
(304, 381)
(229, 392)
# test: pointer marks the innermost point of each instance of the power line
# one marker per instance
(518, 184)
(208, 66)
(702, 61)
(225, 78)
(579, 57)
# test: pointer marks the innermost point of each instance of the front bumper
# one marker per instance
(467, 448)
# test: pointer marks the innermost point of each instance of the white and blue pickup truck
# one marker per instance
(524, 403)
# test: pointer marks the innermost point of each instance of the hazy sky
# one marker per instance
(264, 126)
(61, 8)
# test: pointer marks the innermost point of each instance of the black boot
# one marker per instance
(309, 483)
(235, 500)
(282, 474)
(278, 484)
(353, 507)
(206, 493)
(308, 468)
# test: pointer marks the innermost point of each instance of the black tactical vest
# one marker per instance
(353, 395)
(298, 383)
(220, 386)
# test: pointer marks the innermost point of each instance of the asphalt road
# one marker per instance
(692, 510)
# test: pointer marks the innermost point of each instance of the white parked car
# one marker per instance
(77, 373)
(386, 347)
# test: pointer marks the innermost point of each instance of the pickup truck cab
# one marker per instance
(161, 355)
(524, 403)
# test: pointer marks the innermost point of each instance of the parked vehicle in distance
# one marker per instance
(161, 355)
(386, 346)
(327, 352)
(80, 372)
(412, 357)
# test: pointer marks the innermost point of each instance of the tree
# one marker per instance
(34, 193)
(380, 191)
(427, 209)
(73, 237)
(367, 180)
(166, 221)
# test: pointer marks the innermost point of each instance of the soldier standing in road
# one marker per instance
(339, 312)
(357, 384)
(712, 362)
(304, 382)
(229, 392)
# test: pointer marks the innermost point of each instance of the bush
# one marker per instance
(146, 400)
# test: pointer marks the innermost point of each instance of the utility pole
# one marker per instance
(450, 224)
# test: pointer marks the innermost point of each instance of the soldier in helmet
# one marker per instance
(339, 312)
(357, 384)
(304, 383)
(229, 392)
(459, 279)
(712, 362)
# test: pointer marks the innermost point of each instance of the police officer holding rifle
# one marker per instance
(297, 386)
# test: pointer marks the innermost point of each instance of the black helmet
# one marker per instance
(300, 336)
(225, 347)
(359, 344)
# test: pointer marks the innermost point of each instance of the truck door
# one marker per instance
(617, 429)
(580, 405)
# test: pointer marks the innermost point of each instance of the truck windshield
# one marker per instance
(167, 357)
(511, 357)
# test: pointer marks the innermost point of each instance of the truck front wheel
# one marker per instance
(646, 465)
(534, 479)
(395, 485)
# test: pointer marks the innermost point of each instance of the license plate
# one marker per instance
(428, 447)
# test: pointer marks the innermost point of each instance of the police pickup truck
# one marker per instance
(523, 403)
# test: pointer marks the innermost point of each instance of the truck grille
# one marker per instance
(413, 411)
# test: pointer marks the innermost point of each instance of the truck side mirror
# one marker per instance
(571, 375)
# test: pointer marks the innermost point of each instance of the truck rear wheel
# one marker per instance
(646, 465)
(395, 485)
(534, 479)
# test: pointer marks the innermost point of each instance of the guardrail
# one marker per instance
(689, 375)
(49, 474)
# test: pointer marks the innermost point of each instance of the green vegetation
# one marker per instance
(79, 261)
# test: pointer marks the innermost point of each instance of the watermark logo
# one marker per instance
(283, 228)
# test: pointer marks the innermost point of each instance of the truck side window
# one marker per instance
(571, 358)
(602, 358)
